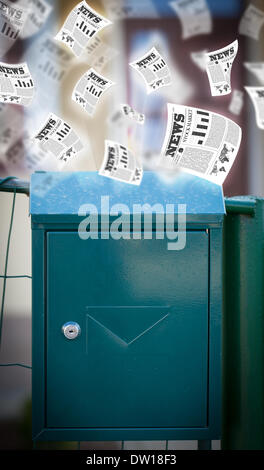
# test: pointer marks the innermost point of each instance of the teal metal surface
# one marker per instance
(38, 330)
(58, 196)
(144, 342)
(147, 364)
(11, 184)
(243, 325)
(241, 205)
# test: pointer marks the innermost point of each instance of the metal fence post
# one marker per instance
(243, 324)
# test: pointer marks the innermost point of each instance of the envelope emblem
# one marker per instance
(125, 324)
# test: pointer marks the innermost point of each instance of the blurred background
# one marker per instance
(137, 26)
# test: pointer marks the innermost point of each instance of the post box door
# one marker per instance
(141, 359)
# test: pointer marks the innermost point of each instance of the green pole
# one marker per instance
(243, 325)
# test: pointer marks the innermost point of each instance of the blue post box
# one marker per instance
(126, 325)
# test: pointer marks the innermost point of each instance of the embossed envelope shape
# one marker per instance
(124, 325)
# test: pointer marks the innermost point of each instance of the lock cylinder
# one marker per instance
(71, 330)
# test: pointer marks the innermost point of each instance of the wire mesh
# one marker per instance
(5, 276)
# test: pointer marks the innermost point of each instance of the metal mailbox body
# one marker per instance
(147, 364)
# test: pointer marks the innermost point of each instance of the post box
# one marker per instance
(126, 316)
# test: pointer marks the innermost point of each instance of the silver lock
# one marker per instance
(71, 330)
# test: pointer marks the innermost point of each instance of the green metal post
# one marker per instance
(243, 325)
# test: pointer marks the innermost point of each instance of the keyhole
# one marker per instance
(71, 330)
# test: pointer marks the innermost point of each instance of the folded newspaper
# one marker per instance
(59, 139)
(98, 53)
(51, 61)
(16, 84)
(131, 113)
(256, 94)
(39, 11)
(194, 15)
(25, 153)
(89, 89)
(257, 68)
(120, 164)
(12, 19)
(251, 22)
(218, 66)
(80, 26)
(200, 142)
(117, 118)
(153, 69)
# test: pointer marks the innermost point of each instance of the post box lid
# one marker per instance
(58, 196)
